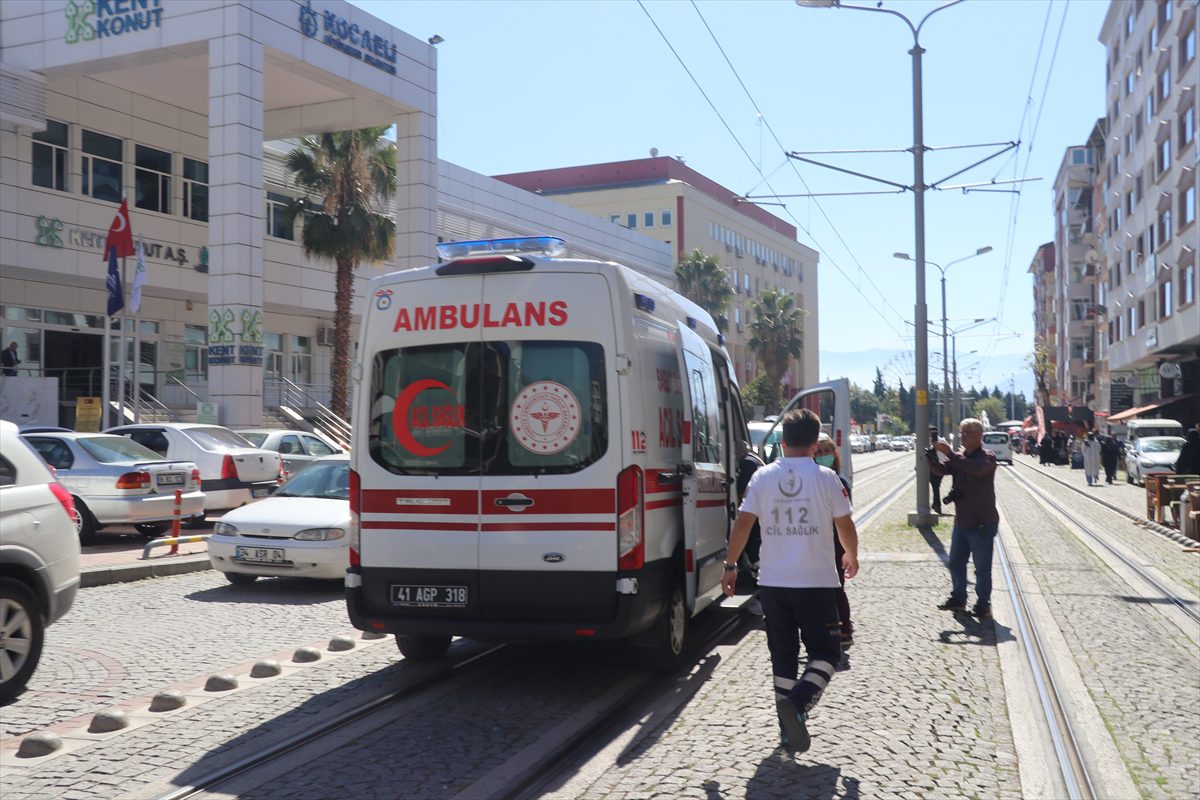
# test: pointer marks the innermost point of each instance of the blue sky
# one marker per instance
(536, 85)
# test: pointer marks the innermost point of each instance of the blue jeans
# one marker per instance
(976, 544)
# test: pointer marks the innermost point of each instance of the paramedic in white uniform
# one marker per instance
(797, 503)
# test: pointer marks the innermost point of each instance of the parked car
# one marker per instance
(1151, 455)
(297, 448)
(860, 443)
(758, 432)
(39, 558)
(301, 530)
(882, 442)
(900, 444)
(116, 481)
(232, 471)
(44, 429)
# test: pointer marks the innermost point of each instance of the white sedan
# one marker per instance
(302, 530)
(1152, 455)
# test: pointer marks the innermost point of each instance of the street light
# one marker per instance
(942, 270)
(922, 517)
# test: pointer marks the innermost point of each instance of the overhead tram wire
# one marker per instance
(758, 169)
(1015, 204)
(795, 169)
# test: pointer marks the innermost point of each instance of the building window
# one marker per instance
(648, 219)
(665, 219)
(1141, 314)
(1187, 285)
(1128, 25)
(1079, 309)
(273, 361)
(195, 189)
(1164, 225)
(1164, 85)
(1164, 12)
(1187, 51)
(1187, 127)
(195, 353)
(277, 226)
(152, 179)
(615, 219)
(301, 359)
(50, 156)
(1187, 206)
(1164, 299)
(631, 221)
(102, 166)
(1164, 155)
(1128, 83)
(1079, 348)
(1078, 156)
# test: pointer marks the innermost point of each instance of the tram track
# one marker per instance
(1152, 586)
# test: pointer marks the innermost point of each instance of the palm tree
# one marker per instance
(352, 174)
(705, 282)
(777, 334)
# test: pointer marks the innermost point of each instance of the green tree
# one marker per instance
(880, 387)
(864, 405)
(777, 334)
(760, 392)
(705, 282)
(994, 407)
(352, 174)
(1041, 361)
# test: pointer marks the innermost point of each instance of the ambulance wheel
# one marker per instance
(423, 648)
(662, 649)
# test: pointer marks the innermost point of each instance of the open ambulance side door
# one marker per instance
(705, 481)
(831, 402)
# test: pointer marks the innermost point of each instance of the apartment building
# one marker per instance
(1150, 177)
(1045, 315)
(665, 199)
(1078, 292)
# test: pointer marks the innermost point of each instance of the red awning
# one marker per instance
(1157, 404)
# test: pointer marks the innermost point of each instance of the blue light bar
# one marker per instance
(643, 303)
(548, 246)
(721, 339)
(692, 323)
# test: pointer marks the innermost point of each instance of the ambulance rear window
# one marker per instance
(492, 408)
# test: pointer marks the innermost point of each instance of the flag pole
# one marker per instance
(137, 339)
(105, 378)
(121, 353)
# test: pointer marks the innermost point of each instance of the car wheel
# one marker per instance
(86, 524)
(152, 530)
(423, 648)
(198, 521)
(240, 578)
(663, 648)
(22, 632)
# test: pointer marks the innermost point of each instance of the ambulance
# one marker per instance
(543, 449)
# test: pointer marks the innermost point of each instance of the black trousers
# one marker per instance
(811, 616)
(935, 481)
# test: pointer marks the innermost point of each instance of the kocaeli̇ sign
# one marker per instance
(353, 40)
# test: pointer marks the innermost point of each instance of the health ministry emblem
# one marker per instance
(80, 28)
(383, 299)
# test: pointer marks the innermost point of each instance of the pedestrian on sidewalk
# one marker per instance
(1091, 458)
(799, 504)
(1110, 452)
(976, 519)
(935, 481)
(1188, 462)
(9, 360)
(827, 455)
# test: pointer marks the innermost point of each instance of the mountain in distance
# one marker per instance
(896, 365)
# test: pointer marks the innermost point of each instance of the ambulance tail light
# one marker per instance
(631, 519)
(355, 523)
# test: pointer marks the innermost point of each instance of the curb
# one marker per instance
(124, 573)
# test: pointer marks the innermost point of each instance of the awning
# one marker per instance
(1139, 410)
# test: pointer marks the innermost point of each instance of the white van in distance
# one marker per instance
(543, 449)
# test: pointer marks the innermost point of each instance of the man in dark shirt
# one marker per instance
(9, 360)
(976, 519)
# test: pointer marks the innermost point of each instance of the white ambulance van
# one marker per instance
(543, 449)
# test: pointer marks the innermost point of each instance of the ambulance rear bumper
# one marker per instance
(501, 610)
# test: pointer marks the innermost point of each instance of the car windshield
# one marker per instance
(253, 438)
(329, 480)
(216, 438)
(114, 449)
(995, 438)
(1164, 445)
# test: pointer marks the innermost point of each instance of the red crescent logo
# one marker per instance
(400, 418)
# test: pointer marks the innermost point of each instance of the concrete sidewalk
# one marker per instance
(118, 557)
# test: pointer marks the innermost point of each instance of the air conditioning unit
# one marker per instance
(324, 336)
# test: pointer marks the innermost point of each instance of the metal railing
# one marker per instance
(298, 402)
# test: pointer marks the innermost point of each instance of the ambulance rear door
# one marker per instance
(418, 457)
(831, 402)
(705, 481)
(551, 454)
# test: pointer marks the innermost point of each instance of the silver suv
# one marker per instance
(39, 558)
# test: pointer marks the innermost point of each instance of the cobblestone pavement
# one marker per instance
(1121, 494)
(1142, 672)
(125, 640)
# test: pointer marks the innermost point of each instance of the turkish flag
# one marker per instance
(120, 235)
